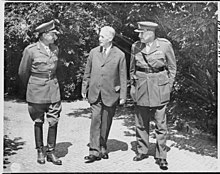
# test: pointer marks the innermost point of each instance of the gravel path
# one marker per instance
(185, 153)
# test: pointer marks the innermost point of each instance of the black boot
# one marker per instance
(40, 156)
(38, 132)
(51, 142)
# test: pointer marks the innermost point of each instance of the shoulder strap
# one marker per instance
(146, 61)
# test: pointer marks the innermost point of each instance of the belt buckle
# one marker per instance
(150, 71)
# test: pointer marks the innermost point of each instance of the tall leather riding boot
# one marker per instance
(51, 142)
(38, 132)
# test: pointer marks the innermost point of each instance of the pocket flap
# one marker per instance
(40, 60)
(163, 80)
(37, 81)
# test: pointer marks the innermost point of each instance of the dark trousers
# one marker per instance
(100, 126)
(142, 119)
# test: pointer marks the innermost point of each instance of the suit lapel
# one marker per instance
(110, 55)
(101, 57)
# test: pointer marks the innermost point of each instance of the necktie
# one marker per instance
(104, 51)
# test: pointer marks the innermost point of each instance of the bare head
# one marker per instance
(106, 36)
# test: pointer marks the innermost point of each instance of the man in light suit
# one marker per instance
(105, 82)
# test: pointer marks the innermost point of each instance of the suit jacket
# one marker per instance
(106, 75)
(153, 89)
(36, 60)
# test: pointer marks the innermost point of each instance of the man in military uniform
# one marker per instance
(152, 73)
(37, 71)
(105, 82)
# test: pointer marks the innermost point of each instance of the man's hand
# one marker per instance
(122, 102)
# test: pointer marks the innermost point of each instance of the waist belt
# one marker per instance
(150, 70)
(43, 75)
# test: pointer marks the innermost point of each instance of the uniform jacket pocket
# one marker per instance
(164, 89)
(37, 81)
(163, 80)
(38, 60)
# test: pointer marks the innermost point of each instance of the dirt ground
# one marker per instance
(186, 152)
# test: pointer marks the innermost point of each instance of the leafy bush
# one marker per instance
(191, 27)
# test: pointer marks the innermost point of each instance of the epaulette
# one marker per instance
(164, 40)
(31, 45)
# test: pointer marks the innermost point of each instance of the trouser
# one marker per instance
(142, 119)
(37, 112)
(100, 126)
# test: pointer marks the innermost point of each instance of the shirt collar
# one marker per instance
(45, 46)
(107, 49)
(149, 44)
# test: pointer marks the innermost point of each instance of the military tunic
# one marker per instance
(154, 84)
(37, 71)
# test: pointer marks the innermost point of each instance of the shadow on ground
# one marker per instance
(11, 147)
(152, 148)
(14, 99)
(197, 142)
(62, 149)
(80, 113)
(194, 141)
(115, 145)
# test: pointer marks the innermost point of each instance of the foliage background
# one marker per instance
(191, 28)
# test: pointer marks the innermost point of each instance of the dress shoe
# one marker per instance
(92, 158)
(105, 156)
(140, 157)
(162, 163)
(40, 157)
(52, 158)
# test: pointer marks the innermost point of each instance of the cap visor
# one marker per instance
(139, 31)
(54, 31)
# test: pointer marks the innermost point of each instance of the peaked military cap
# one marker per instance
(145, 25)
(48, 26)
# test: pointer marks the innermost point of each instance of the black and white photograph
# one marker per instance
(110, 86)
